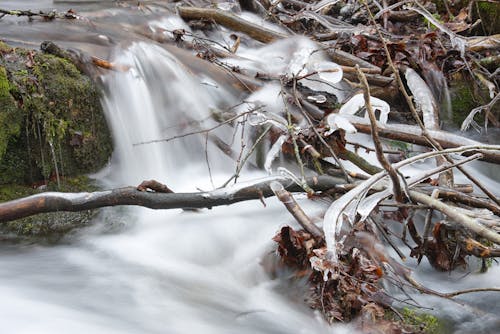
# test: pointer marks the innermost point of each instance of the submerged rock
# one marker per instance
(51, 119)
(46, 228)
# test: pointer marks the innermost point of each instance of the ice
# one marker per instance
(423, 98)
(328, 71)
(276, 186)
(336, 121)
(274, 152)
(357, 102)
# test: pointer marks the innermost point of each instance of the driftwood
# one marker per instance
(56, 201)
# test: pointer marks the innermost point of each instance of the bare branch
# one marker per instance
(56, 201)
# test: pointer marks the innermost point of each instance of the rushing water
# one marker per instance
(142, 271)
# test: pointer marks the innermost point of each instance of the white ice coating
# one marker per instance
(276, 186)
(357, 102)
(424, 98)
(338, 121)
(274, 152)
(369, 203)
(328, 71)
(269, 97)
(293, 56)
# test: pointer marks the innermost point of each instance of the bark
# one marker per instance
(56, 201)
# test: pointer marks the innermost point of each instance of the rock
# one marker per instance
(51, 118)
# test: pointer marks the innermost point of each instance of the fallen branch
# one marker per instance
(45, 15)
(469, 223)
(398, 195)
(413, 134)
(230, 21)
(291, 205)
(57, 201)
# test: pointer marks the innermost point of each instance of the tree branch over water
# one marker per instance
(57, 201)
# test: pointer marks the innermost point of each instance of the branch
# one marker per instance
(293, 207)
(412, 134)
(458, 217)
(398, 195)
(47, 16)
(230, 21)
(57, 201)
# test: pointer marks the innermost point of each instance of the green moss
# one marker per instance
(489, 12)
(422, 322)
(4, 48)
(59, 117)
(465, 96)
(10, 120)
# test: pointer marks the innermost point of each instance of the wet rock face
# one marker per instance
(51, 118)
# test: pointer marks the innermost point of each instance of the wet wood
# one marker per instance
(412, 134)
(54, 201)
(230, 21)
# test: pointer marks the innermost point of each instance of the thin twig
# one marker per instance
(247, 156)
(376, 140)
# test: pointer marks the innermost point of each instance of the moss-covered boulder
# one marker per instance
(51, 121)
(46, 228)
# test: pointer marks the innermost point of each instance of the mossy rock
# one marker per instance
(10, 117)
(422, 322)
(465, 95)
(51, 120)
(46, 228)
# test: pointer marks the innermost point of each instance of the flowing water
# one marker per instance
(143, 271)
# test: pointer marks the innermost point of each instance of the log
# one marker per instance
(58, 201)
(230, 21)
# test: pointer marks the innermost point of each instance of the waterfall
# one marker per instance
(157, 99)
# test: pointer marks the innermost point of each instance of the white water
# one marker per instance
(157, 271)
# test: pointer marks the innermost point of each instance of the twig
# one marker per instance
(470, 118)
(387, 238)
(293, 207)
(319, 136)
(423, 289)
(247, 156)
(199, 131)
(427, 226)
(376, 140)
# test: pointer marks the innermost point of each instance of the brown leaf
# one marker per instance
(291, 248)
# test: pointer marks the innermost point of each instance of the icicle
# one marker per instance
(274, 152)
(423, 98)
(328, 71)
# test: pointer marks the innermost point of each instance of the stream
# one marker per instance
(137, 270)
